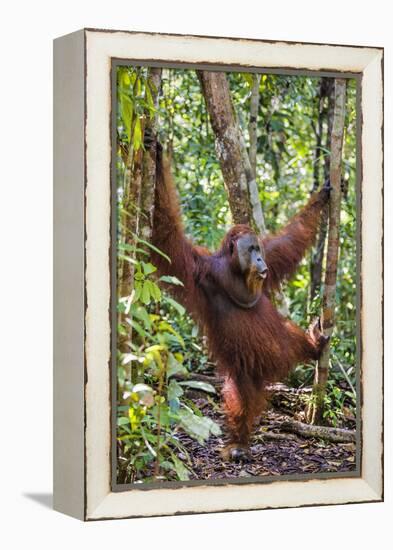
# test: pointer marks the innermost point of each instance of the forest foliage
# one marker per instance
(159, 346)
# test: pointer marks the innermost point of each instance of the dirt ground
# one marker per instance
(273, 452)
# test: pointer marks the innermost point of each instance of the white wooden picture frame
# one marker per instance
(82, 241)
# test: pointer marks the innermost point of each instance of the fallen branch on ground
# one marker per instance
(337, 435)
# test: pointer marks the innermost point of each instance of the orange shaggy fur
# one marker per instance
(254, 345)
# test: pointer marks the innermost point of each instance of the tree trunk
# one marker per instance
(253, 124)
(223, 120)
(326, 92)
(257, 217)
(130, 214)
(250, 162)
(322, 370)
(130, 223)
(234, 157)
(149, 161)
(138, 200)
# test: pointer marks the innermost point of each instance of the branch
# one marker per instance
(336, 435)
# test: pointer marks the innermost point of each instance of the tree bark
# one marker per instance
(328, 318)
(138, 200)
(337, 435)
(223, 120)
(149, 160)
(253, 124)
(130, 222)
(130, 214)
(325, 113)
(257, 217)
(234, 158)
(251, 159)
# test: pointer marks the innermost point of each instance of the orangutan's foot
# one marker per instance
(316, 334)
(236, 453)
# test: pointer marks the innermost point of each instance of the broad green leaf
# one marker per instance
(142, 315)
(179, 308)
(127, 110)
(248, 78)
(181, 471)
(122, 421)
(197, 385)
(145, 295)
(175, 367)
(153, 289)
(148, 268)
(128, 357)
(149, 99)
(152, 247)
(134, 420)
(127, 259)
(135, 325)
(171, 280)
(198, 427)
(137, 137)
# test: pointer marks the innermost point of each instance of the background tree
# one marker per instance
(323, 131)
(329, 292)
(227, 141)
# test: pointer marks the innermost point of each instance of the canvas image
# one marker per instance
(235, 253)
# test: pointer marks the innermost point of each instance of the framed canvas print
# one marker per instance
(218, 274)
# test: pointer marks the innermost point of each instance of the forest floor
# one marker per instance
(273, 451)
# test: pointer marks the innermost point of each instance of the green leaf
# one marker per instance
(148, 268)
(197, 385)
(145, 294)
(134, 418)
(179, 308)
(155, 292)
(128, 357)
(248, 78)
(137, 137)
(137, 295)
(138, 328)
(171, 280)
(152, 247)
(174, 390)
(198, 427)
(137, 86)
(149, 99)
(127, 259)
(182, 472)
(175, 367)
(127, 111)
(140, 313)
(122, 421)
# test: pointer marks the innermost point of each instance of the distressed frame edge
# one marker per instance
(378, 495)
(69, 489)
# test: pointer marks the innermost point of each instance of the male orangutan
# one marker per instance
(228, 293)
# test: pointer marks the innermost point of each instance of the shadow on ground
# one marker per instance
(45, 499)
